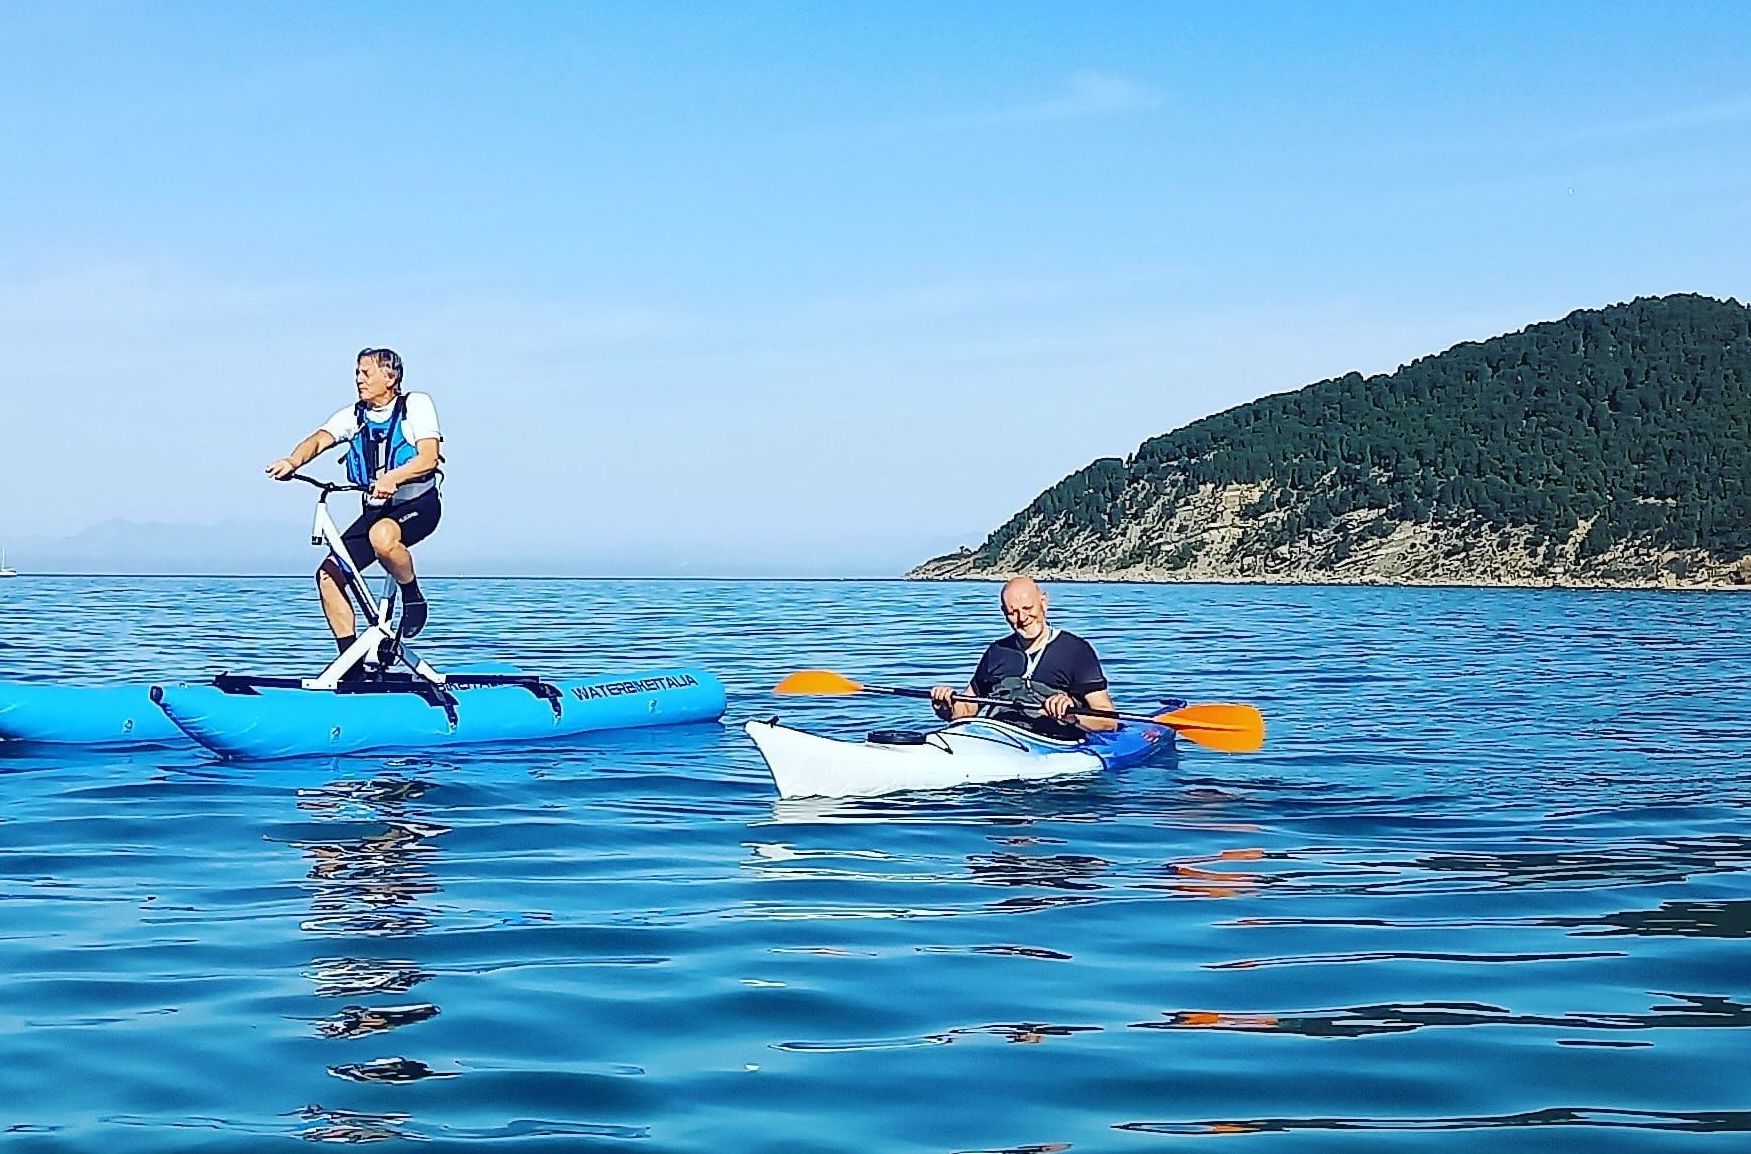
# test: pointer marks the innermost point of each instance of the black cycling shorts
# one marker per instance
(417, 519)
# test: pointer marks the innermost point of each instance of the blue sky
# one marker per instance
(790, 288)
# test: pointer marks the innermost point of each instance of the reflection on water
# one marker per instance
(1050, 871)
(1722, 919)
(1687, 1011)
(1587, 865)
(1025, 1033)
(1002, 952)
(1372, 956)
(387, 1070)
(357, 1021)
(375, 883)
(350, 1126)
(1683, 919)
(1700, 1122)
(360, 977)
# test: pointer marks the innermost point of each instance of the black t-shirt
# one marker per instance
(1067, 665)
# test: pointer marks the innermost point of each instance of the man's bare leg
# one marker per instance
(335, 606)
(398, 562)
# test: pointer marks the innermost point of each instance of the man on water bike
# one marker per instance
(392, 443)
(1051, 670)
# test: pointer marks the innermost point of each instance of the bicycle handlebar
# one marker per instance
(326, 486)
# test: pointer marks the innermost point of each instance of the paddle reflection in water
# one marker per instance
(375, 881)
(1700, 1122)
(1327, 871)
(1685, 1011)
(1722, 919)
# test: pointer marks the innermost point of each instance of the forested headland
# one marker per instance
(1609, 447)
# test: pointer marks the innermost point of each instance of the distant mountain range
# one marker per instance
(1612, 447)
(121, 546)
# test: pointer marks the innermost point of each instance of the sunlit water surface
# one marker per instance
(1487, 887)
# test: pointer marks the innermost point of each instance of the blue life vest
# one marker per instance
(380, 446)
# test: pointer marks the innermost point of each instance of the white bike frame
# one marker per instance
(377, 637)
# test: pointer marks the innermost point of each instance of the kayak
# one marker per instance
(235, 719)
(961, 753)
(239, 718)
(41, 711)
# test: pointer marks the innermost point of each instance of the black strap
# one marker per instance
(545, 690)
(431, 693)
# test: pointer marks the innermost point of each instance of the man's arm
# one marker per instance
(948, 705)
(945, 699)
(1098, 699)
(1088, 683)
(302, 454)
(1058, 707)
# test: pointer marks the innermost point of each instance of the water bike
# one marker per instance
(377, 694)
(979, 749)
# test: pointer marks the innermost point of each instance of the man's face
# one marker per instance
(1025, 610)
(376, 383)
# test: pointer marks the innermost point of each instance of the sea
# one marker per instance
(1487, 887)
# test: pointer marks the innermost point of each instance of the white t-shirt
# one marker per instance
(418, 423)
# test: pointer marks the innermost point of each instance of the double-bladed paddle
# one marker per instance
(1229, 728)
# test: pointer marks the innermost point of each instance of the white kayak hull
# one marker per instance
(971, 752)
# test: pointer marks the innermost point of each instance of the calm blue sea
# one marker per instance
(1487, 888)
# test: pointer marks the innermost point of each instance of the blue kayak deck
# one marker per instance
(1132, 743)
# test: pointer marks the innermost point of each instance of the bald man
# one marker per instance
(1056, 663)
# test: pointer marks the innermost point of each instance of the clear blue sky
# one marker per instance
(795, 288)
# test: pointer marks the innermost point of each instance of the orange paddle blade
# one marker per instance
(818, 683)
(1229, 728)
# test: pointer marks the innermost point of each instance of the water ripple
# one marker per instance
(1488, 882)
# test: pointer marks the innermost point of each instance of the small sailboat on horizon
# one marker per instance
(4, 570)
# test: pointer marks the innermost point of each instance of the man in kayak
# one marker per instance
(392, 441)
(1054, 668)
